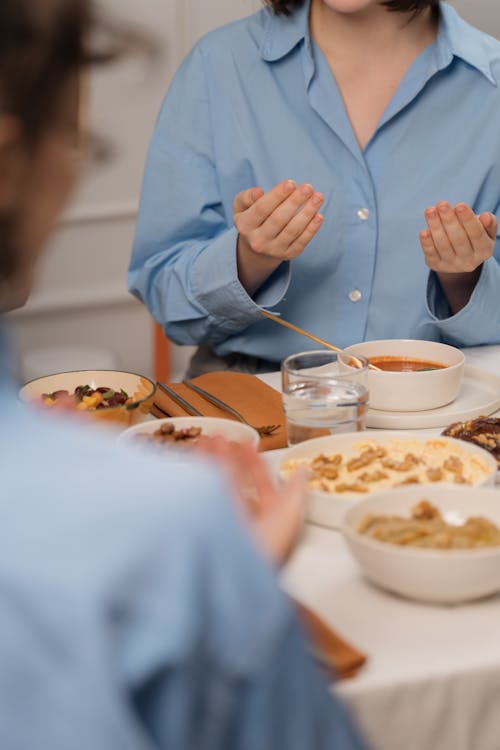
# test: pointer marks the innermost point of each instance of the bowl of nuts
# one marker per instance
(344, 469)
(178, 432)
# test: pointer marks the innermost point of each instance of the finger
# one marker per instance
(482, 244)
(297, 223)
(439, 236)
(247, 198)
(279, 529)
(209, 446)
(286, 211)
(457, 235)
(490, 223)
(262, 209)
(297, 247)
(224, 454)
(263, 482)
(432, 257)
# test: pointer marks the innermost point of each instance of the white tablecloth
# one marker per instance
(432, 681)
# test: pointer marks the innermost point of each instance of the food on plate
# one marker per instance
(374, 466)
(167, 434)
(87, 398)
(427, 528)
(393, 363)
(483, 431)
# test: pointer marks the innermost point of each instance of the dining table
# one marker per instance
(432, 677)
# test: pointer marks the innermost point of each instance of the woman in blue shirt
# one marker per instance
(337, 161)
(136, 611)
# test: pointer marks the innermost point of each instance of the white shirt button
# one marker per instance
(364, 214)
(355, 295)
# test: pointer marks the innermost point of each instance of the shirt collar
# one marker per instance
(457, 38)
(283, 33)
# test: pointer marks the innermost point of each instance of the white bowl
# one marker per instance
(210, 426)
(439, 576)
(413, 391)
(328, 508)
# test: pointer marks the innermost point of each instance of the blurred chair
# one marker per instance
(162, 361)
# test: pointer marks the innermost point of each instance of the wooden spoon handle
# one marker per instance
(308, 335)
(311, 336)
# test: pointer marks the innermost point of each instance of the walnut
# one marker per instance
(366, 458)
(413, 479)
(375, 476)
(328, 472)
(322, 460)
(434, 475)
(453, 464)
(424, 511)
(409, 462)
(486, 439)
(355, 487)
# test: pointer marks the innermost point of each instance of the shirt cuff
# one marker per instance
(479, 321)
(217, 287)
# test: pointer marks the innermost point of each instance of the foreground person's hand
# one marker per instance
(273, 227)
(275, 513)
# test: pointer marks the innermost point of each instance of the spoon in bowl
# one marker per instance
(357, 363)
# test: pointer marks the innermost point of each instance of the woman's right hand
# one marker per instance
(273, 227)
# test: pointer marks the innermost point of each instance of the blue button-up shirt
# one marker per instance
(254, 103)
(135, 611)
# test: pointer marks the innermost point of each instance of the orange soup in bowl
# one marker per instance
(393, 363)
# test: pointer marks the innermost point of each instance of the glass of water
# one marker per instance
(324, 393)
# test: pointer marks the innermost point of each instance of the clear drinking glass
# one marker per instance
(324, 393)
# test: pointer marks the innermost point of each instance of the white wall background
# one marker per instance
(81, 297)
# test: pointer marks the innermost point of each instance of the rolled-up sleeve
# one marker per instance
(479, 321)
(183, 263)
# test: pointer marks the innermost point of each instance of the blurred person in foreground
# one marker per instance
(139, 602)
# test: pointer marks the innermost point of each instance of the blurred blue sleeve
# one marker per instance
(285, 705)
(137, 612)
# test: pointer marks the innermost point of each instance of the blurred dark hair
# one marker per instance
(42, 44)
(286, 7)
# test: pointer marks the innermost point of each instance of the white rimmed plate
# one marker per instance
(479, 395)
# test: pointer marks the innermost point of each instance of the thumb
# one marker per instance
(490, 223)
(246, 199)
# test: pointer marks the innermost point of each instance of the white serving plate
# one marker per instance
(210, 426)
(438, 576)
(479, 395)
(328, 508)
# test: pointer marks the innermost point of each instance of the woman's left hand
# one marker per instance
(457, 241)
